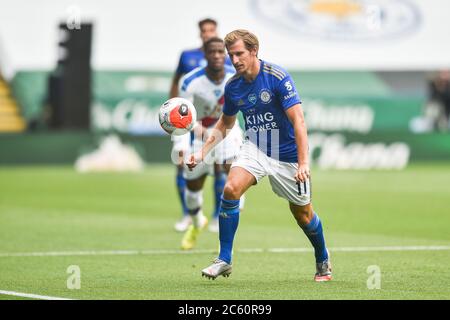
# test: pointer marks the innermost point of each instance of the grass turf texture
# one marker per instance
(46, 209)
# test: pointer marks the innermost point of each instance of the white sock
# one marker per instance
(194, 200)
(198, 220)
(242, 202)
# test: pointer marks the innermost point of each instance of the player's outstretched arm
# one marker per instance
(296, 117)
(223, 125)
(174, 86)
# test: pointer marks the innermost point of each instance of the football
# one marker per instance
(177, 116)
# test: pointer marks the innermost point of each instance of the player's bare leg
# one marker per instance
(311, 225)
(194, 202)
(227, 168)
(239, 180)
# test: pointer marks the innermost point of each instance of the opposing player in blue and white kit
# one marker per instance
(188, 61)
(205, 88)
(276, 145)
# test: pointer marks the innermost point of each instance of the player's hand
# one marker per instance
(302, 173)
(193, 160)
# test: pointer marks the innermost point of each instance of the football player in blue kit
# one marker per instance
(276, 145)
(190, 60)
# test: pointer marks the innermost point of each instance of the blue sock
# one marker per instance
(181, 187)
(228, 223)
(314, 232)
(219, 183)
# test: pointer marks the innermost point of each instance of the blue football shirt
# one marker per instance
(194, 58)
(263, 103)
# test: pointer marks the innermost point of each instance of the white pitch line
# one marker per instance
(212, 251)
(364, 249)
(29, 295)
(101, 253)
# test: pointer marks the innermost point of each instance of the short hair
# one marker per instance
(205, 21)
(250, 40)
(211, 40)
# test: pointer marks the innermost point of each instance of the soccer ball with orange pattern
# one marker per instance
(177, 116)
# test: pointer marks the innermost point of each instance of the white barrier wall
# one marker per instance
(298, 34)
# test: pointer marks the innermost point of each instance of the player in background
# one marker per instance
(204, 87)
(276, 145)
(189, 60)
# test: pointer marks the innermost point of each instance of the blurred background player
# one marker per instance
(266, 95)
(205, 86)
(439, 95)
(189, 60)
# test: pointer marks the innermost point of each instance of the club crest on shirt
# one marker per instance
(192, 62)
(252, 98)
(265, 96)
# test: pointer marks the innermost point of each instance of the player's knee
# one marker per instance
(231, 191)
(303, 214)
(194, 199)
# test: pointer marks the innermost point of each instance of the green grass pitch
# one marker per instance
(54, 209)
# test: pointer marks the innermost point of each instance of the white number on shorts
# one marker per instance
(299, 185)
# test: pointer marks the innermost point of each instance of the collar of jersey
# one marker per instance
(214, 83)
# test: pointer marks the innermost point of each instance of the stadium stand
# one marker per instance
(11, 119)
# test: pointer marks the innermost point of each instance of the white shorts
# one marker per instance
(180, 143)
(281, 174)
(225, 152)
